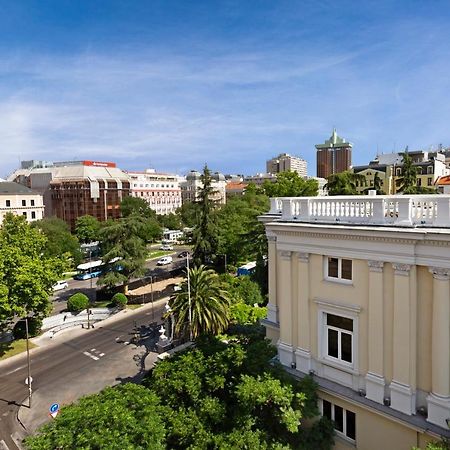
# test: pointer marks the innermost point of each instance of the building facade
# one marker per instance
(77, 188)
(20, 200)
(260, 178)
(334, 156)
(431, 166)
(359, 297)
(192, 183)
(287, 163)
(161, 191)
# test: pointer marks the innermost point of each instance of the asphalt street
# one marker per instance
(72, 367)
(89, 287)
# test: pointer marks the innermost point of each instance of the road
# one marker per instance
(89, 287)
(73, 367)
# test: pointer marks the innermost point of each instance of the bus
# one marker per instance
(246, 269)
(92, 269)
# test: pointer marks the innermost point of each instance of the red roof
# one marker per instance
(445, 180)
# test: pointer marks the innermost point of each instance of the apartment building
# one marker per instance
(192, 183)
(260, 178)
(333, 156)
(72, 189)
(287, 163)
(389, 169)
(359, 297)
(160, 190)
(20, 200)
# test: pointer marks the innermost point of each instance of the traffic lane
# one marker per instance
(67, 361)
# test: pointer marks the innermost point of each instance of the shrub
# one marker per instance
(120, 300)
(77, 302)
(34, 328)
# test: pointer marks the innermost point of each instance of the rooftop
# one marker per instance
(406, 211)
(9, 187)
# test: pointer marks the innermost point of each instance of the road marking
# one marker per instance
(95, 358)
(92, 349)
(3, 445)
(101, 354)
(126, 342)
(15, 370)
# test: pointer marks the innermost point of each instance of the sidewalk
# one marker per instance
(48, 339)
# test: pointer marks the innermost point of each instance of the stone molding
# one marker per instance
(375, 266)
(401, 269)
(303, 257)
(285, 254)
(440, 273)
(271, 238)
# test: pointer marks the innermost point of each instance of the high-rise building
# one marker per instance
(75, 188)
(287, 163)
(160, 190)
(334, 156)
(359, 298)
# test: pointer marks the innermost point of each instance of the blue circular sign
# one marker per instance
(54, 408)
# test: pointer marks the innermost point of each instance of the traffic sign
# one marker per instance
(30, 380)
(54, 408)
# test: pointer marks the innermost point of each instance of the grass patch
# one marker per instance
(133, 306)
(102, 304)
(68, 275)
(158, 254)
(8, 349)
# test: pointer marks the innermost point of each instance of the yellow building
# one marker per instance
(430, 167)
(359, 296)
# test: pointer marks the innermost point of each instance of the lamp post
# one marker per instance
(29, 380)
(151, 297)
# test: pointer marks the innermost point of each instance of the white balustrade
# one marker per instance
(395, 210)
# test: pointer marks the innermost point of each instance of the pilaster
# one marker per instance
(272, 306)
(303, 351)
(439, 399)
(375, 382)
(403, 384)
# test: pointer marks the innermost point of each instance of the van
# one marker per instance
(164, 261)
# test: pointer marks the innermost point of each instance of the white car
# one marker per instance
(60, 285)
(164, 261)
(166, 247)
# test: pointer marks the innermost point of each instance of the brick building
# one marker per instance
(334, 156)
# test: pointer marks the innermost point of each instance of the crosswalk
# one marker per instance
(94, 354)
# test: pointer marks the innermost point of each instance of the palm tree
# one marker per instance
(210, 304)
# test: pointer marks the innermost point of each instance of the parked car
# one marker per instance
(60, 285)
(183, 254)
(166, 247)
(164, 261)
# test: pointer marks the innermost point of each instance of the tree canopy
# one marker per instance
(407, 183)
(87, 229)
(290, 184)
(59, 241)
(343, 183)
(27, 270)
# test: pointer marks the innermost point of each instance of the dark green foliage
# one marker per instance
(344, 183)
(87, 229)
(77, 302)
(204, 237)
(291, 184)
(27, 272)
(188, 214)
(125, 239)
(376, 185)
(170, 221)
(34, 328)
(125, 417)
(407, 184)
(120, 300)
(59, 240)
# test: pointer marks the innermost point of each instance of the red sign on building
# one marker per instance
(99, 164)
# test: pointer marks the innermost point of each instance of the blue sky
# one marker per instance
(174, 84)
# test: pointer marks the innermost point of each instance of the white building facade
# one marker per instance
(287, 163)
(191, 185)
(161, 191)
(21, 201)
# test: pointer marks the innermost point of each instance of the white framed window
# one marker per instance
(338, 269)
(343, 419)
(338, 340)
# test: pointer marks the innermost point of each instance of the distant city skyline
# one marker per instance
(174, 85)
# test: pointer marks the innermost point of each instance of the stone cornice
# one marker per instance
(271, 238)
(285, 254)
(303, 257)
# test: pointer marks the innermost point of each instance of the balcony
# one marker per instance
(381, 210)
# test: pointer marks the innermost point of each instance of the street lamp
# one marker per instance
(189, 296)
(29, 380)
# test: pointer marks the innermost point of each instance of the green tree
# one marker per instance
(124, 417)
(344, 183)
(204, 237)
(407, 183)
(123, 241)
(170, 221)
(27, 272)
(136, 205)
(87, 229)
(210, 305)
(290, 184)
(59, 241)
(188, 214)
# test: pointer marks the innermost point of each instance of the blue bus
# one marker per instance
(246, 269)
(92, 269)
